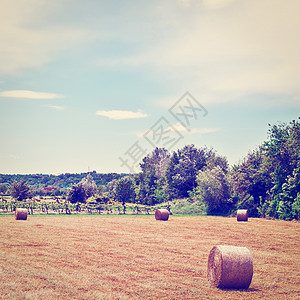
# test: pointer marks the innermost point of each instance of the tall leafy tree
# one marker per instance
(20, 190)
(110, 188)
(215, 190)
(76, 193)
(289, 204)
(151, 181)
(283, 152)
(125, 190)
(252, 180)
(213, 160)
(89, 186)
(156, 162)
(267, 181)
(282, 149)
(182, 170)
(3, 188)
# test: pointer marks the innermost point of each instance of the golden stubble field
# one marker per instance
(127, 257)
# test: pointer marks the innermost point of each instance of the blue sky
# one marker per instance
(82, 82)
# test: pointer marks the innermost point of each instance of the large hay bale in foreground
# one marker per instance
(230, 267)
(21, 214)
(242, 215)
(162, 214)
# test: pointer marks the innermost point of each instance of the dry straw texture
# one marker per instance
(21, 214)
(162, 214)
(242, 215)
(230, 267)
(117, 257)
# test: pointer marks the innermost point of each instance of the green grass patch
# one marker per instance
(186, 207)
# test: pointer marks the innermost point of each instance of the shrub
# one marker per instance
(185, 207)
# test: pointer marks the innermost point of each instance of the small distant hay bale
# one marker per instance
(162, 214)
(230, 267)
(242, 215)
(21, 214)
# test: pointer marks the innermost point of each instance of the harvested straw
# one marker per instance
(230, 267)
(242, 215)
(162, 214)
(21, 214)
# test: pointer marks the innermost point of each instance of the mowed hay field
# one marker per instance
(126, 257)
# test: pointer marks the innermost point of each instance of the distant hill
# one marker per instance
(59, 181)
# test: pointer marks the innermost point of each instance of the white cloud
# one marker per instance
(29, 94)
(246, 48)
(121, 114)
(223, 49)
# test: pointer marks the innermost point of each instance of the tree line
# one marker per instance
(53, 185)
(266, 182)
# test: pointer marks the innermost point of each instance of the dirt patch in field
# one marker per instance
(109, 257)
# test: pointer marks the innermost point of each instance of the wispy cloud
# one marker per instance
(121, 114)
(57, 107)
(29, 94)
(30, 39)
(223, 53)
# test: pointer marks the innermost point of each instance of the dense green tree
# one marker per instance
(289, 197)
(282, 150)
(252, 181)
(182, 170)
(151, 181)
(213, 160)
(161, 191)
(267, 181)
(215, 190)
(20, 190)
(3, 188)
(110, 188)
(76, 193)
(89, 186)
(125, 190)
(156, 162)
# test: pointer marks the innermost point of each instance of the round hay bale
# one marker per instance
(230, 267)
(242, 215)
(21, 214)
(162, 214)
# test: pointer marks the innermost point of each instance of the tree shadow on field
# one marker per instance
(250, 290)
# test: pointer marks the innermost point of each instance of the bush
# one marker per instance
(76, 193)
(20, 190)
(214, 189)
(185, 207)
